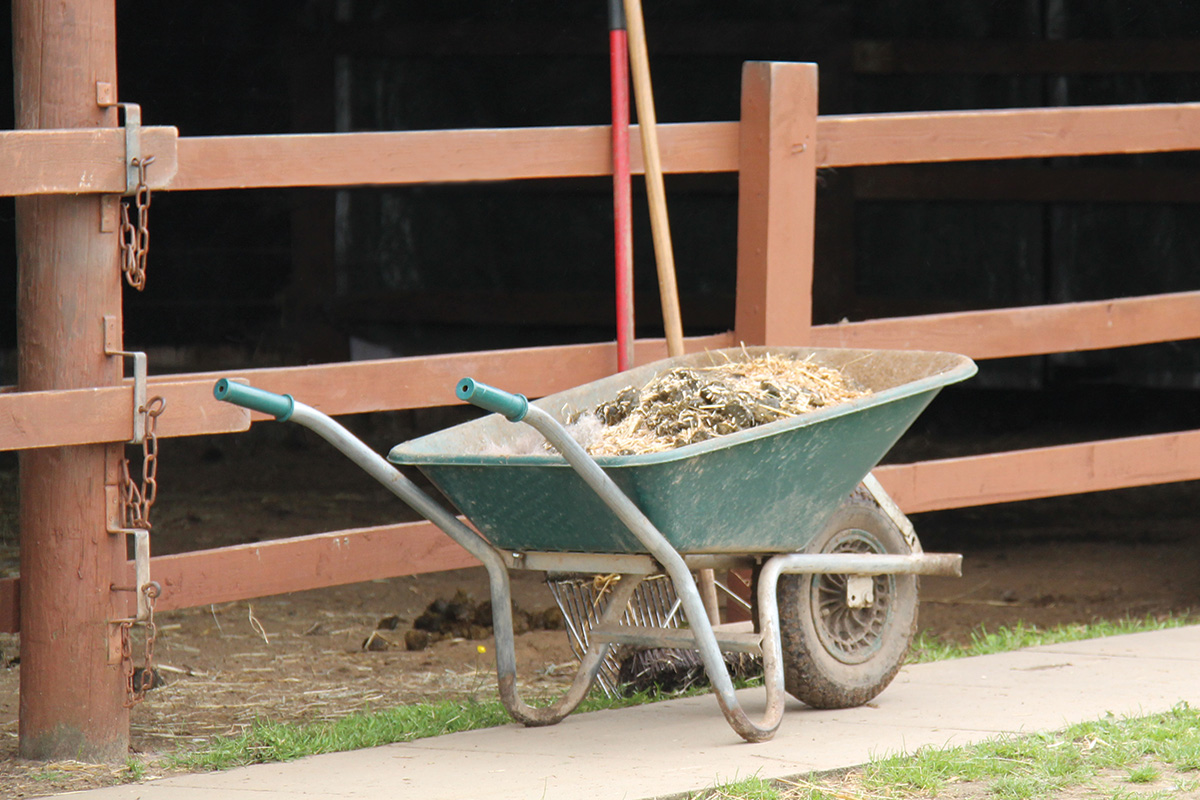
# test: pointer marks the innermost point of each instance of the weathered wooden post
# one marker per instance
(72, 690)
(777, 180)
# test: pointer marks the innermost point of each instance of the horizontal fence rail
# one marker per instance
(1043, 472)
(1029, 330)
(856, 140)
(71, 161)
(79, 160)
(105, 414)
(454, 156)
(357, 159)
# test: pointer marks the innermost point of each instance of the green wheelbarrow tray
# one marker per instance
(768, 489)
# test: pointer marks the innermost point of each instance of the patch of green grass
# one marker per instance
(927, 647)
(135, 770)
(1131, 794)
(1035, 767)
(753, 788)
(1147, 773)
(1038, 766)
(49, 775)
(1183, 785)
(1014, 768)
(267, 741)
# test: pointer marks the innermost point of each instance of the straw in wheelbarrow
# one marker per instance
(692, 404)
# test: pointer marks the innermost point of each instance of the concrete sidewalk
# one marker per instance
(684, 745)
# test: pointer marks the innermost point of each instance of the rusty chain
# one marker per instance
(135, 513)
(135, 239)
(138, 683)
(137, 499)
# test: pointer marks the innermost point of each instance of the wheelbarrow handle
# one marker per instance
(513, 406)
(280, 406)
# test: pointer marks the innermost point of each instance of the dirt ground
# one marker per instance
(299, 657)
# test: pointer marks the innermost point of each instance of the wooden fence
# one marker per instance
(776, 149)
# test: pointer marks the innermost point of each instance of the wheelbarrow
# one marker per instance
(792, 501)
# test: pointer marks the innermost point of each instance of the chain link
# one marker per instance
(135, 513)
(135, 239)
(137, 499)
(138, 683)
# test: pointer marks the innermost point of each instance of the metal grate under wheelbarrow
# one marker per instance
(582, 599)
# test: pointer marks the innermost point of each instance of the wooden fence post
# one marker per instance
(777, 168)
(72, 690)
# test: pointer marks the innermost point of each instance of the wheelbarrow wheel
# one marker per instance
(836, 656)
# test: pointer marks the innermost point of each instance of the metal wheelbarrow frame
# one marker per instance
(654, 554)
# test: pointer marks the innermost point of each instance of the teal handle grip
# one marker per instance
(280, 406)
(489, 398)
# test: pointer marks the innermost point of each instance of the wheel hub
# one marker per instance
(851, 630)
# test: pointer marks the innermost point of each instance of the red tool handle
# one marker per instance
(618, 49)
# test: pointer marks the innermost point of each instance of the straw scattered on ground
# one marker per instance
(693, 404)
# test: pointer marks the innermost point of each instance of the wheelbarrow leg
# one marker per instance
(589, 667)
(681, 576)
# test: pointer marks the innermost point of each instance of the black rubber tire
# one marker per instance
(844, 657)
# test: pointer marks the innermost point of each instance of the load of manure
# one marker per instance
(692, 404)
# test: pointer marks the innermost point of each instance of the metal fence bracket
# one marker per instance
(112, 348)
(132, 123)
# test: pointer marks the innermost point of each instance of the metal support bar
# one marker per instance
(889, 507)
(131, 121)
(942, 564)
(112, 347)
(610, 563)
(141, 571)
(645, 636)
(139, 392)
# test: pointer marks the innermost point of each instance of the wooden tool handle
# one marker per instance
(664, 255)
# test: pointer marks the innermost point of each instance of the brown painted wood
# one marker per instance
(776, 203)
(58, 418)
(104, 414)
(279, 566)
(1030, 330)
(373, 159)
(304, 562)
(425, 381)
(863, 139)
(72, 686)
(1043, 472)
(1025, 57)
(70, 161)
(368, 159)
